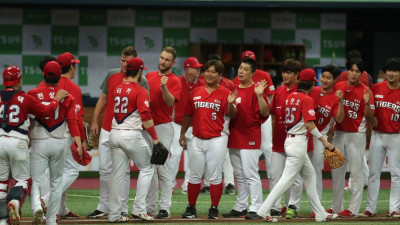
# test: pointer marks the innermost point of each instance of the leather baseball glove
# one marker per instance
(334, 158)
(89, 137)
(160, 154)
(86, 157)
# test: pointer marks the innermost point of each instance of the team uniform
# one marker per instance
(244, 149)
(15, 106)
(278, 157)
(385, 140)
(350, 138)
(210, 137)
(71, 167)
(176, 149)
(162, 117)
(299, 109)
(50, 131)
(130, 102)
(326, 106)
(266, 127)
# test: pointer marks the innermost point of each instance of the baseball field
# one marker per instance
(83, 201)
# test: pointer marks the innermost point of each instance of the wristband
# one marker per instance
(315, 132)
(152, 131)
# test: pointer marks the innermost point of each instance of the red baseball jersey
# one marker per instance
(112, 82)
(160, 112)
(299, 109)
(129, 101)
(277, 109)
(258, 76)
(19, 106)
(245, 128)
(326, 106)
(209, 112)
(387, 107)
(354, 107)
(186, 88)
(54, 126)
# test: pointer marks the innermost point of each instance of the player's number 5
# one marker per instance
(214, 116)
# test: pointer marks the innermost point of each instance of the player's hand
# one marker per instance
(232, 96)
(339, 94)
(86, 145)
(374, 122)
(260, 87)
(182, 142)
(367, 96)
(61, 94)
(79, 147)
(94, 129)
(164, 80)
(329, 146)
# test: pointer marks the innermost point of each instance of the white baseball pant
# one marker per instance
(105, 170)
(165, 133)
(352, 146)
(245, 167)
(227, 170)
(207, 154)
(129, 145)
(383, 144)
(365, 171)
(297, 162)
(293, 195)
(266, 144)
(47, 153)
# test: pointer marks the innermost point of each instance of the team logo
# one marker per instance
(239, 100)
(217, 101)
(77, 108)
(311, 112)
(146, 103)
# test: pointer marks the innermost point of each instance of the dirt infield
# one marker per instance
(203, 219)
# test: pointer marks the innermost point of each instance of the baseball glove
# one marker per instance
(334, 158)
(89, 137)
(160, 154)
(86, 157)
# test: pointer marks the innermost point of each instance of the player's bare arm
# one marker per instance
(148, 124)
(98, 110)
(61, 94)
(340, 111)
(369, 115)
(231, 107)
(168, 98)
(315, 132)
(259, 91)
(187, 120)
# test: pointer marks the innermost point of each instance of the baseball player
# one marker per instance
(165, 90)
(266, 128)
(299, 116)
(208, 110)
(51, 131)
(71, 167)
(350, 138)
(104, 104)
(385, 139)
(131, 111)
(290, 72)
(189, 81)
(328, 109)
(15, 106)
(245, 139)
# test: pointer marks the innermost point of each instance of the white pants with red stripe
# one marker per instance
(352, 146)
(297, 162)
(382, 145)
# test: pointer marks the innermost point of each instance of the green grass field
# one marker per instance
(83, 202)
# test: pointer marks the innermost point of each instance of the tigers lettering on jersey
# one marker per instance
(389, 105)
(208, 105)
(353, 105)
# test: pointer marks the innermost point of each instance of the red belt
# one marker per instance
(291, 135)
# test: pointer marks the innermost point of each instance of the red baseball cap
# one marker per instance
(135, 64)
(248, 53)
(67, 59)
(192, 62)
(308, 75)
(52, 69)
(11, 76)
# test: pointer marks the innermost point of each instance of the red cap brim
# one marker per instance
(77, 61)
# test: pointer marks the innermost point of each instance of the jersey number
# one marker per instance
(394, 117)
(12, 114)
(120, 104)
(289, 117)
(352, 114)
(56, 113)
(320, 121)
(214, 116)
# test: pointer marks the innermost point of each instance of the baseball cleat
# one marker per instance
(13, 213)
(312, 214)
(190, 212)
(96, 214)
(146, 217)
(205, 189)
(38, 217)
(330, 210)
(162, 214)
(124, 214)
(275, 213)
(347, 188)
(213, 212)
(395, 214)
(230, 189)
(291, 212)
(70, 215)
(270, 219)
(122, 219)
(251, 216)
(346, 213)
(367, 213)
(330, 217)
(235, 214)
(283, 211)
